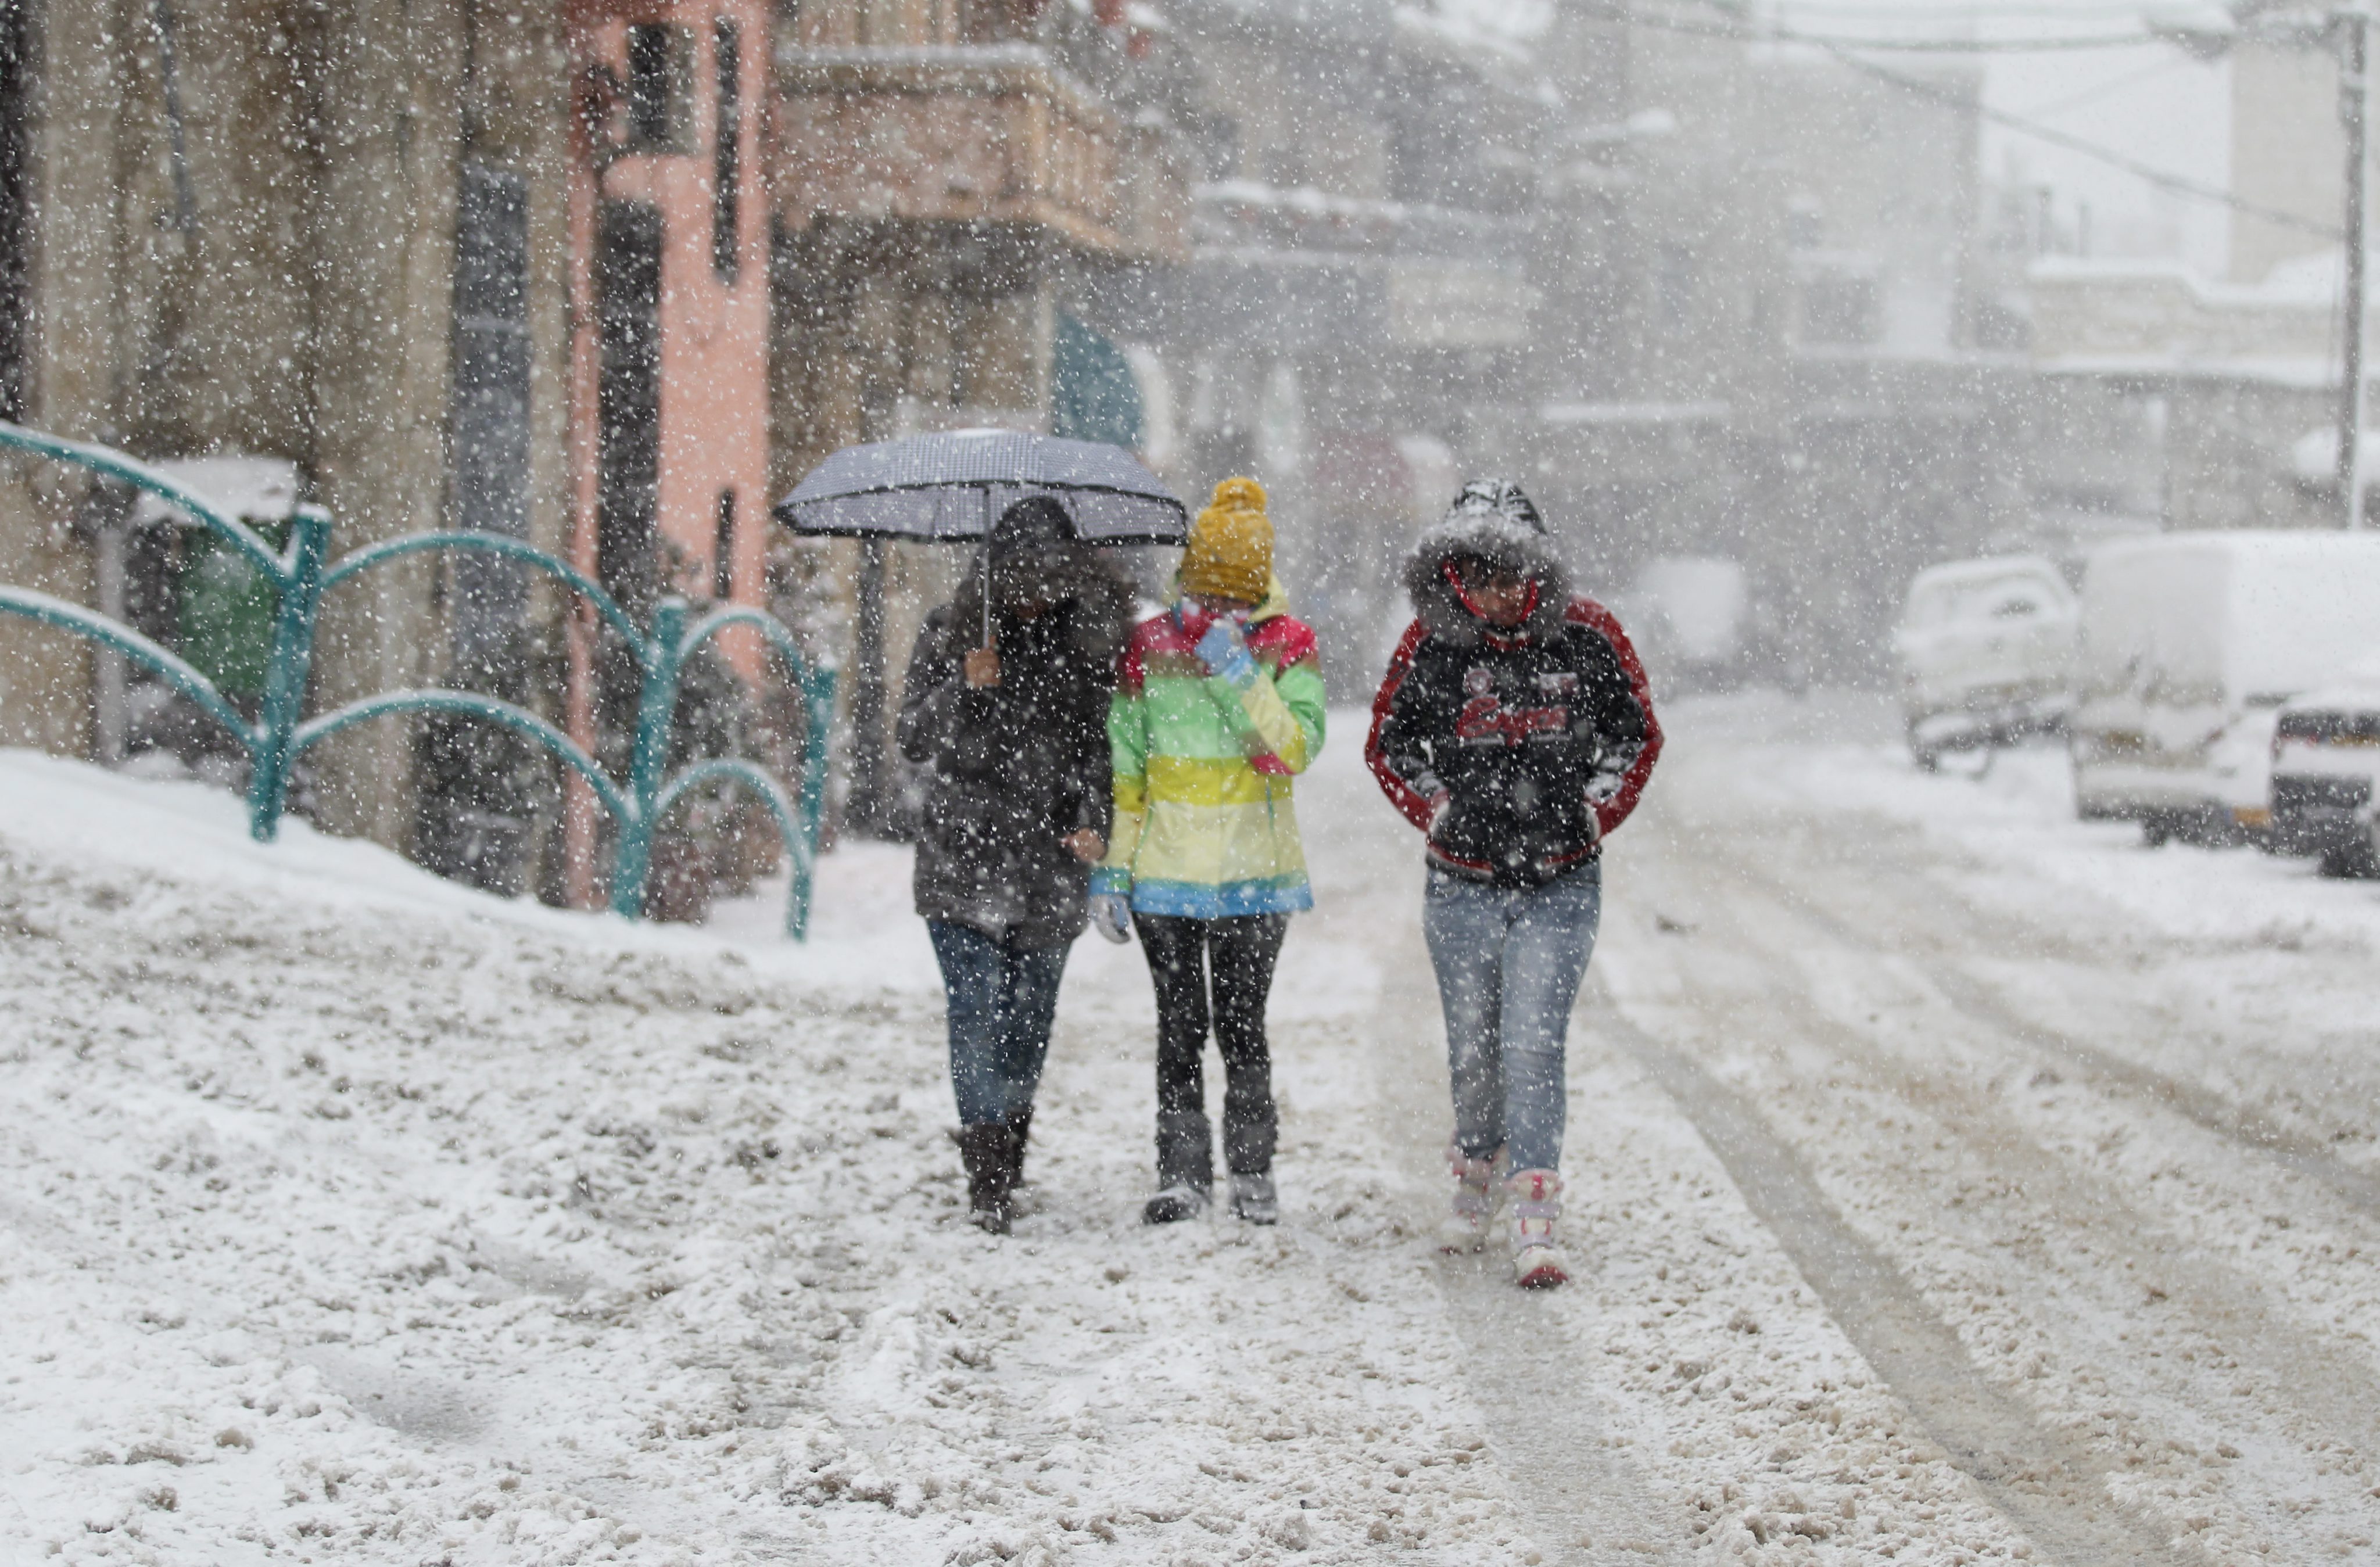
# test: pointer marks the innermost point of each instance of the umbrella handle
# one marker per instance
(986, 493)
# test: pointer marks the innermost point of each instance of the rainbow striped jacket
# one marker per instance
(1205, 823)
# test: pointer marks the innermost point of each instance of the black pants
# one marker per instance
(1234, 959)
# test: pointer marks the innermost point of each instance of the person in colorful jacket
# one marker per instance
(1218, 707)
(1516, 730)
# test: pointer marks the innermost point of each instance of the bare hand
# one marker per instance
(1088, 846)
(982, 667)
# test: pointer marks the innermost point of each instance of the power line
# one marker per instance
(2057, 138)
(2106, 89)
(1773, 34)
(1938, 95)
(2064, 11)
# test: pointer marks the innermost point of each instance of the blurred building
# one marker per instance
(968, 202)
(455, 264)
(1780, 348)
(2232, 381)
(1359, 290)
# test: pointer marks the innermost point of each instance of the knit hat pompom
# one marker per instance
(1241, 495)
(1230, 554)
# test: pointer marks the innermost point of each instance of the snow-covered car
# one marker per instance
(2326, 775)
(1987, 648)
(2191, 645)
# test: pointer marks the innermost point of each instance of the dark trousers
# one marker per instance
(1002, 999)
(1212, 973)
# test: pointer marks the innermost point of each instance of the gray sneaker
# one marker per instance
(1254, 1200)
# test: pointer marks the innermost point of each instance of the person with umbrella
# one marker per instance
(1005, 712)
(1005, 709)
(1218, 706)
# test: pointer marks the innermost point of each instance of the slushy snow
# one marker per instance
(349, 1215)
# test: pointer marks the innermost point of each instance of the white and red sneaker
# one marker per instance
(1472, 1210)
(1538, 1262)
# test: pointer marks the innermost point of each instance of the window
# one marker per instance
(628, 400)
(723, 558)
(1839, 312)
(659, 93)
(726, 184)
(488, 418)
(1676, 282)
(15, 207)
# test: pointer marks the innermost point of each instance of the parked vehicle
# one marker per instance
(1987, 651)
(2191, 645)
(2326, 775)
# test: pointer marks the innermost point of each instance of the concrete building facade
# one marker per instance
(449, 263)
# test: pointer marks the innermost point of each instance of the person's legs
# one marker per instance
(972, 983)
(1544, 958)
(1243, 952)
(1464, 923)
(1030, 1005)
(1176, 950)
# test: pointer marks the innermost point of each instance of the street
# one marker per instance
(1950, 1180)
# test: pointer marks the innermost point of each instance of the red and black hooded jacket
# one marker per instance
(1517, 751)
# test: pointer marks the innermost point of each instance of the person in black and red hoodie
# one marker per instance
(1516, 729)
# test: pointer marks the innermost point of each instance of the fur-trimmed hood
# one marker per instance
(1490, 520)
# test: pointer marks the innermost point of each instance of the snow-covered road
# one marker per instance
(1958, 1182)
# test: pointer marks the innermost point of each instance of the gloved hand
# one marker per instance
(1225, 649)
(1111, 915)
(1440, 803)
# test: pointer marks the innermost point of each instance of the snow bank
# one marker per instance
(350, 1215)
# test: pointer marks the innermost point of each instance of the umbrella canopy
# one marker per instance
(953, 486)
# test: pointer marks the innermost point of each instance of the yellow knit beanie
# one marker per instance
(1230, 555)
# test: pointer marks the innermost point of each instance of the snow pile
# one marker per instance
(353, 1216)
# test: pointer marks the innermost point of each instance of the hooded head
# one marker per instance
(1490, 521)
(1037, 564)
(1230, 553)
(1032, 549)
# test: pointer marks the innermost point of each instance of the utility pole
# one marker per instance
(2355, 111)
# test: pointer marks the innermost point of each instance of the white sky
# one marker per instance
(2153, 104)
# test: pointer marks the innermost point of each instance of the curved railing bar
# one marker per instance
(799, 849)
(116, 465)
(472, 705)
(494, 544)
(178, 672)
(769, 626)
(746, 772)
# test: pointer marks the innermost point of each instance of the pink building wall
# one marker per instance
(714, 333)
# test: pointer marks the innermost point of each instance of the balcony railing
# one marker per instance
(994, 133)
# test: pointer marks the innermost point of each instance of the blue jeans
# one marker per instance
(1509, 961)
(1001, 1002)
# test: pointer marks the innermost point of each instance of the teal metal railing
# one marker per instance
(276, 738)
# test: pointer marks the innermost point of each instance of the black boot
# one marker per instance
(987, 1152)
(1020, 1127)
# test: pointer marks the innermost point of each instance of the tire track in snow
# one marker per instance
(2052, 1487)
(2202, 1107)
(2339, 1392)
(1550, 1435)
(2323, 1387)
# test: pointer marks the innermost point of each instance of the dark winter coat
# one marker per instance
(1517, 751)
(1010, 769)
